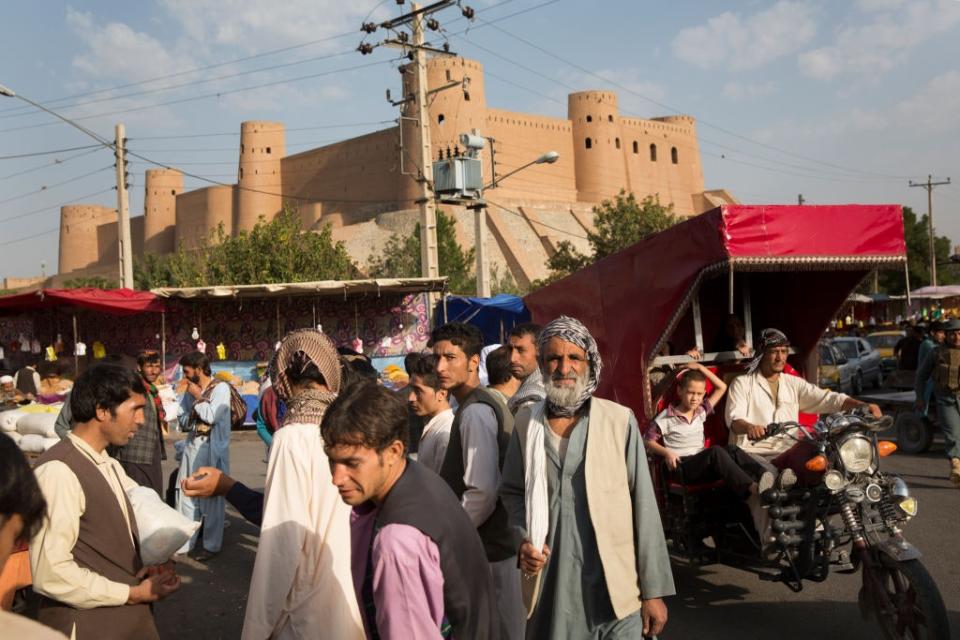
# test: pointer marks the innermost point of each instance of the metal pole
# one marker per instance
(76, 358)
(933, 247)
(163, 339)
(123, 213)
(483, 257)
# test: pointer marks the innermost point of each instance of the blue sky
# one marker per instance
(839, 101)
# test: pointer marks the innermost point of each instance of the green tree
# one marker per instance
(617, 225)
(272, 252)
(916, 236)
(400, 257)
(97, 282)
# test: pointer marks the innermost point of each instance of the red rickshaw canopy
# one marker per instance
(631, 301)
(112, 301)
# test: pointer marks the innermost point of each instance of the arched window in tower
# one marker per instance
(588, 143)
(616, 141)
(653, 152)
(241, 147)
(241, 173)
(673, 155)
(441, 118)
(589, 118)
(636, 147)
(610, 118)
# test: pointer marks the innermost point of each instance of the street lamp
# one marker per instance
(547, 158)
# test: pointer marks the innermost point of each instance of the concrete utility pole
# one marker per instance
(429, 257)
(123, 212)
(800, 199)
(929, 185)
(483, 257)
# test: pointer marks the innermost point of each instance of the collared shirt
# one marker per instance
(434, 439)
(751, 399)
(24, 628)
(481, 461)
(406, 574)
(682, 436)
(55, 573)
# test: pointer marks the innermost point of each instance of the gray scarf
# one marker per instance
(573, 331)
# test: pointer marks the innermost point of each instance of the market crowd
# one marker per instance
(494, 496)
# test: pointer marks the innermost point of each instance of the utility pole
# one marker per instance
(929, 185)
(123, 212)
(800, 199)
(429, 257)
(483, 257)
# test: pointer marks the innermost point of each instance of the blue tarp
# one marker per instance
(493, 316)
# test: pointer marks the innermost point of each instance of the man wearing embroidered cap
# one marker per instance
(571, 503)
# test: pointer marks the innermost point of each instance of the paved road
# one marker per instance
(714, 602)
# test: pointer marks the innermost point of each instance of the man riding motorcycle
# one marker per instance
(764, 395)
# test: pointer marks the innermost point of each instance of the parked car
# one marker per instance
(835, 371)
(864, 360)
(884, 342)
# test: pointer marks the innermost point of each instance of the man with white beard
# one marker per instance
(593, 555)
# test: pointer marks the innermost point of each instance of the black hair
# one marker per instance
(465, 336)
(366, 415)
(498, 365)
(19, 492)
(531, 329)
(409, 360)
(197, 360)
(355, 370)
(304, 374)
(425, 368)
(47, 369)
(146, 357)
(103, 386)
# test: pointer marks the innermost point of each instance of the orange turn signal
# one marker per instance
(885, 448)
(816, 463)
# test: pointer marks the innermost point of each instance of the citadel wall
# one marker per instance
(86, 231)
(200, 212)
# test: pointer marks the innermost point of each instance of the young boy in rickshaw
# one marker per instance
(681, 428)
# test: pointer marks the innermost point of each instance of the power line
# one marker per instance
(534, 222)
(30, 237)
(48, 153)
(54, 186)
(56, 206)
(237, 133)
(677, 111)
(217, 94)
(56, 161)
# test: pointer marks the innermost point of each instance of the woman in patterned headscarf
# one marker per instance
(301, 577)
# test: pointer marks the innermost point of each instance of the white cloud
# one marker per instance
(878, 46)
(747, 91)
(737, 42)
(880, 5)
(256, 25)
(935, 107)
(116, 51)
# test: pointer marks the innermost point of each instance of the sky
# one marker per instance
(839, 101)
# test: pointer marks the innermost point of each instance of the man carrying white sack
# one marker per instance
(85, 559)
(593, 555)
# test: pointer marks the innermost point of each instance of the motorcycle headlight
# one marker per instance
(856, 454)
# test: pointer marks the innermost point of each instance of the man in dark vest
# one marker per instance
(475, 453)
(85, 559)
(141, 457)
(419, 569)
(942, 366)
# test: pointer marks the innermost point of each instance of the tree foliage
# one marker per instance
(96, 282)
(916, 235)
(400, 257)
(617, 225)
(272, 252)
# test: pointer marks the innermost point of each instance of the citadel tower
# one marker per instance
(262, 146)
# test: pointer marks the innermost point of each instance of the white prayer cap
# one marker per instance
(6, 379)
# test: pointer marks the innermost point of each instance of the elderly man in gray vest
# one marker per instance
(593, 556)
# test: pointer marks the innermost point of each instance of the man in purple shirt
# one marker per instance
(419, 568)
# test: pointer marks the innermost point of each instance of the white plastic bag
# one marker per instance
(41, 424)
(31, 443)
(8, 420)
(162, 530)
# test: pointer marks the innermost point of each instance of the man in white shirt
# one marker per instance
(429, 401)
(85, 558)
(764, 395)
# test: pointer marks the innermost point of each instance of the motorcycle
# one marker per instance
(836, 511)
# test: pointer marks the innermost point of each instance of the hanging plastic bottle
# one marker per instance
(221, 351)
(80, 349)
(99, 351)
(50, 354)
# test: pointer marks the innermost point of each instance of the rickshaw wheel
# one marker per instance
(907, 602)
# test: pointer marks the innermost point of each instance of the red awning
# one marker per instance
(112, 301)
(630, 300)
